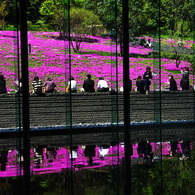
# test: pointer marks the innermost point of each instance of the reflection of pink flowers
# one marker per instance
(81, 159)
(50, 57)
(63, 157)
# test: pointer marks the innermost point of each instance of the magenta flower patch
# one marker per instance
(50, 57)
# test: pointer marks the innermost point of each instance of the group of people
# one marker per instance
(88, 85)
(142, 84)
(49, 85)
(184, 82)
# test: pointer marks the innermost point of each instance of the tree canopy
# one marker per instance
(145, 17)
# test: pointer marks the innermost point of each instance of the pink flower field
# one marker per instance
(50, 57)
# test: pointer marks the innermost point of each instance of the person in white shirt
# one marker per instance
(72, 84)
(102, 85)
(148, 43)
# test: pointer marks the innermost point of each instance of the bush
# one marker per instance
(10, 27)
(38, 26)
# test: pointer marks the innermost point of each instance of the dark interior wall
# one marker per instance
(97, 108)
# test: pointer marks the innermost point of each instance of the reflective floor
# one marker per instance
(156, 168)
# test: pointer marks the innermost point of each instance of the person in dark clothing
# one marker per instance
(130, 85)
(184, 84)
(88, 84)
(141, 148)
(186, 149)
(3, 88)
(173, 84)
(140, 85)
(147, 76)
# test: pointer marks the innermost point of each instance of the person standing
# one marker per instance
(185, 73)
(3, 88)
(173, 84)
(140, 85)
(88, 84)
(102, 85)
(184, 83)
(147, 76)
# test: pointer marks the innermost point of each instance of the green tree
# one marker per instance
(177, 16)
(82, 23)
(53, 13)
(3, 14)
(33, 14)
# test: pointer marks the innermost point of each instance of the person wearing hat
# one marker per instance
(88, 84)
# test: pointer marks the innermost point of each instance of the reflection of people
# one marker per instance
(49, 85)
(102, 85)
(3, 88)
(173, 84)
(174, 148)
(37, 85)
(186, 149)
(88, 84)
(90, 152)
(72, 84)
(147, 76)
(140, 85)
(145, 150)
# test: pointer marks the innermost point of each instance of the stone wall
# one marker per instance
(96, 108)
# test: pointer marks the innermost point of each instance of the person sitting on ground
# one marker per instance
(130, 85)
(18, 85)
(88, 84)
(72, 85)
(148, 43)
(37, 85)
(173, 84)
(3, 88)
(102, 85)
(140, 85)
(49, 86)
